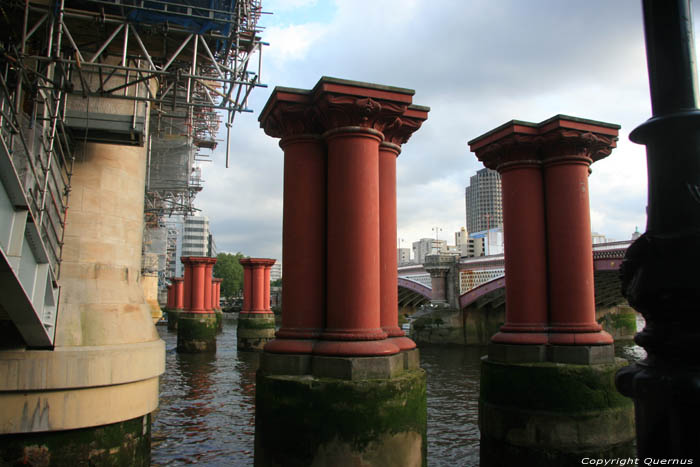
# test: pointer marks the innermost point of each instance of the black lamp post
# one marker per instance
(661, 271)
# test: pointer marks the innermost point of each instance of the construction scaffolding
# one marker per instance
(174, 68)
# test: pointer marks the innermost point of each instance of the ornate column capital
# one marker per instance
(344, 103)
(289, 112)
(572, 138)
(398, 129)
(513, 144)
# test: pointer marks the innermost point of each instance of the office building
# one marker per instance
(483, 201)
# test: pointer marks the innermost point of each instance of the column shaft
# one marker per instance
(207, 286)
(257, 288)
(187, 284)
(266, 288)
(197, 294)
(247, 287)
(389, 299)
(570, 254)
(525, 255)
(179, 292)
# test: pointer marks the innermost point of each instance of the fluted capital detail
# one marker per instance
(337, 111)
(289, 112)
(567, 143)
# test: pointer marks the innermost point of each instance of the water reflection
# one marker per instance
(207, 403)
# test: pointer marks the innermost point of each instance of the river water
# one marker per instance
(207, 404)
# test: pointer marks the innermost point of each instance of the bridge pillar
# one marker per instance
(216, 303)
(351, 396)
(196, 324)
(550, 307)
(89, 398)
(256, 322)
(178, 300)
(438, 266)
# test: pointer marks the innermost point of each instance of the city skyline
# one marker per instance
(476, 67)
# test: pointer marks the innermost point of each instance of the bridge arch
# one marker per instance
(413, 293)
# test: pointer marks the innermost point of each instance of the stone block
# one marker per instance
(357, 368)
(285, 364)
(581, 354)
(513, 353)
(411, 359)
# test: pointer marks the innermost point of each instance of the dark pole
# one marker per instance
(661, 271)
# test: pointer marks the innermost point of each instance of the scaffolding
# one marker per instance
(179, 67)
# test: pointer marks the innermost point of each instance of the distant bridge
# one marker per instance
(481, 280)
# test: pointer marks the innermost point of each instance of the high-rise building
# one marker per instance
(196, 239)
(483, 201)
(276, 271)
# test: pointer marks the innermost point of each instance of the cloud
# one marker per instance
(477, 64)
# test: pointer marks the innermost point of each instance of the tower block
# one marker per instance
(547, 384)
(354, 393)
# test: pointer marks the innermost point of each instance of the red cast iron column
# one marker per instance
(187, 283)
(178, 283)
(197, 295)
(247, 283)
(569, 146)
(216, 293)
(350, 113)
(209, 267)
(512, 150)
(258, 288)
(397, 131)
(290, 115)
(266, 299)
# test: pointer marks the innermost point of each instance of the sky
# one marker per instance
(477, 64)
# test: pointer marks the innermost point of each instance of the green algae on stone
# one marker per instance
(298, 416)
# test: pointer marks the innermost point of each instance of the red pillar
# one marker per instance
(351, 114)
(289, 115)
(569, 148)
(208, 268)
(254, 284)
(396, 132)
(187, 283)
(216, 293)
(198, 279)
(179, 297)
(512, 150)
(247, 286)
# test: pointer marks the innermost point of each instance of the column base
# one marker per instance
(403, 343)
(122, 443)
(341, 422)
(370, 348)
(255, 330)
(552, 414)
(196, 332)
(290, 346)
(580, 338)
(172, 319)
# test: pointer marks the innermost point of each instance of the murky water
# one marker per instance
(207, 404)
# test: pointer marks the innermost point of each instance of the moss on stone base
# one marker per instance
(172, 319)
(553, 413)
(219, 320)
(118, 444)
(301, 420)
(255, 330)
(196, 332)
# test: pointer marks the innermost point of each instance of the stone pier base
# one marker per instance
(255, 330)
(123, 443)
(196, 332)
(552, 414)
(350, 420)
(172, 319)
